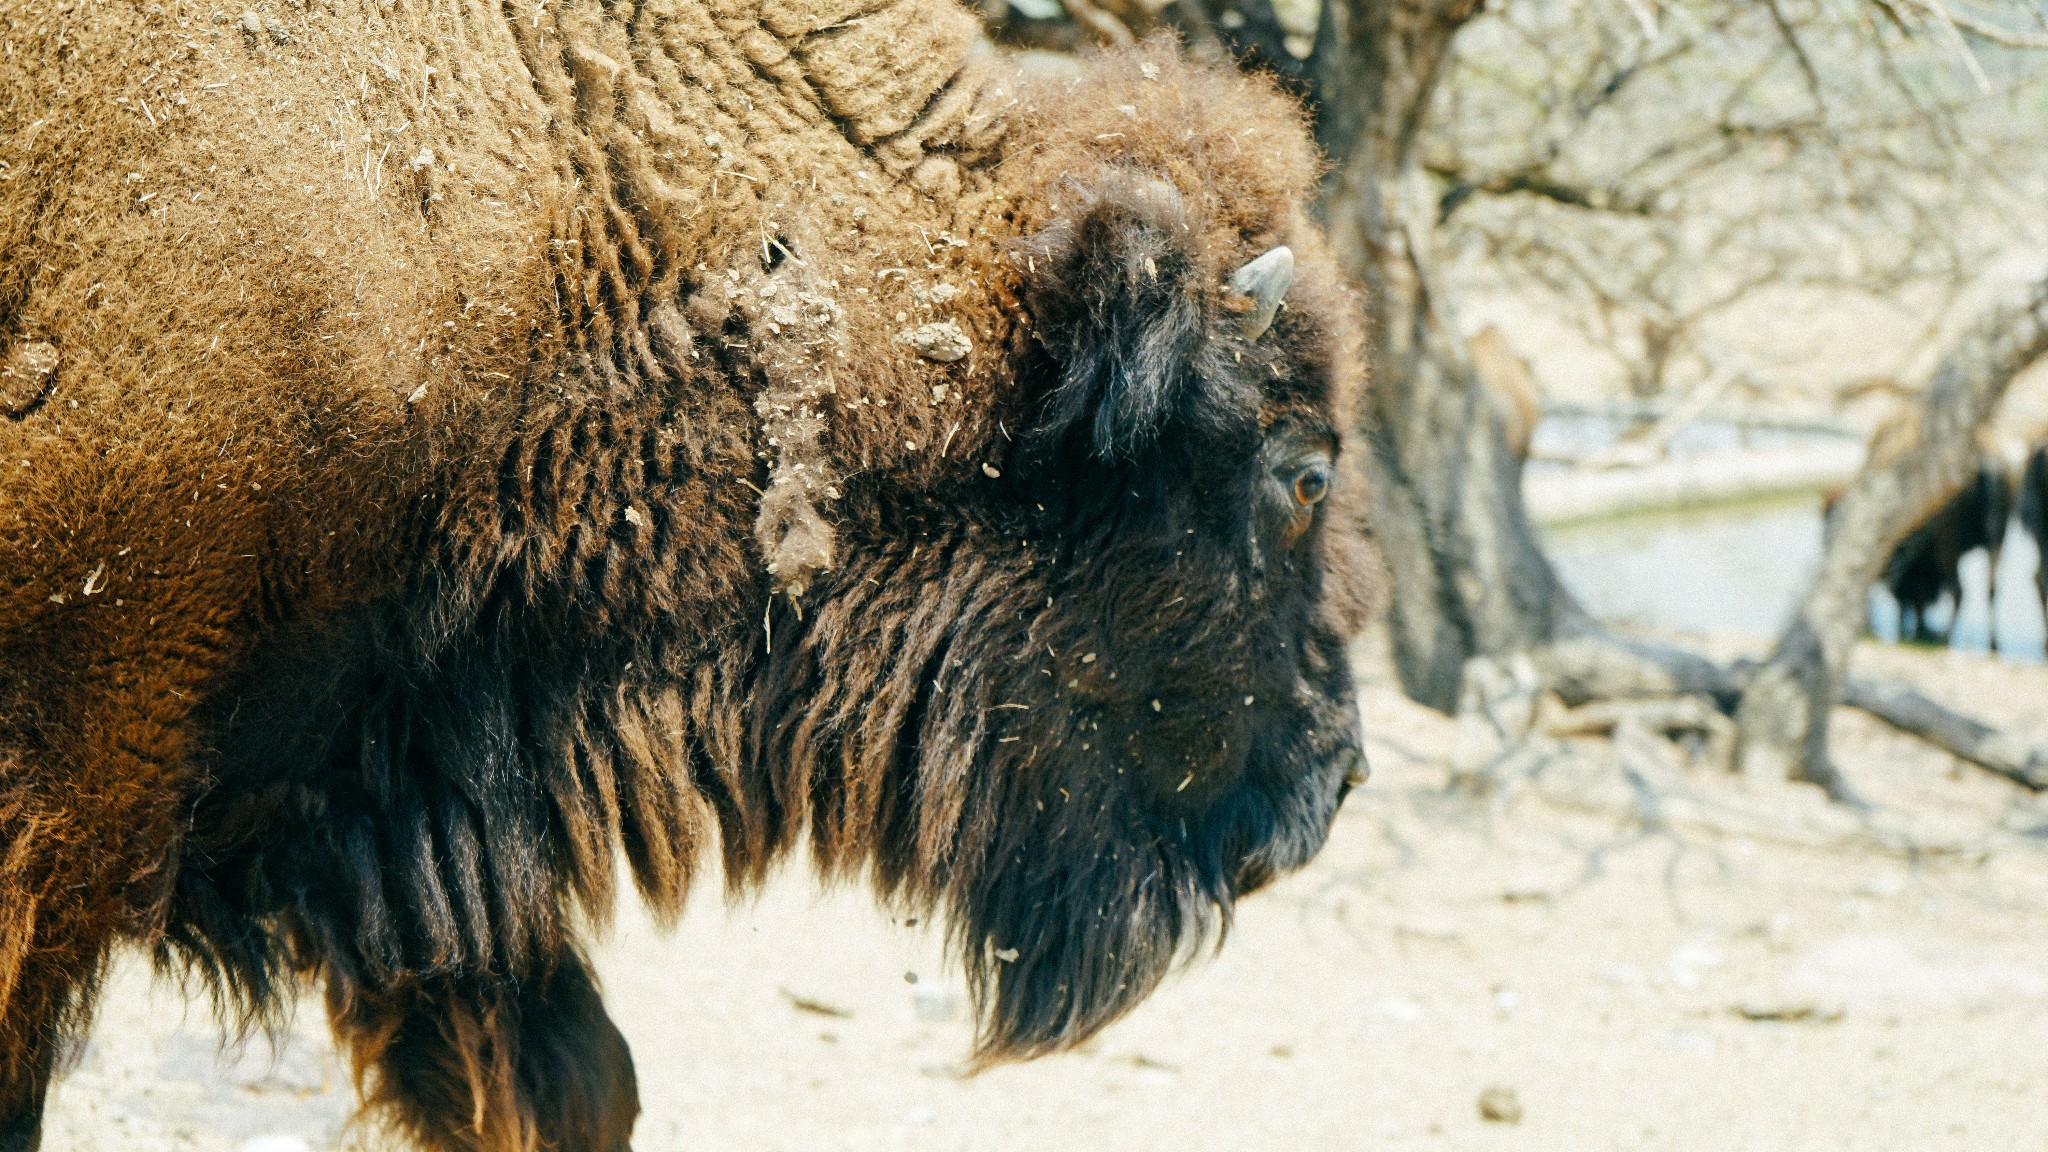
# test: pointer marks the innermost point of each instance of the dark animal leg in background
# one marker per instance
(21, 1105)
(2041, 589)
(488, 1064)
(1991, 599)
(65, 896)
(1998, 491)
(2032, 511)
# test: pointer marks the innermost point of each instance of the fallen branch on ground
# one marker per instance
(1988, 748)
(1515, 708)
(1680, 715)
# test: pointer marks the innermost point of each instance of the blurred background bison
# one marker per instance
(726, 425)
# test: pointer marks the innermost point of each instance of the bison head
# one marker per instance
(1090, 692)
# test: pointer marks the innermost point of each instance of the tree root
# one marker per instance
(1517, 734)
(1642, 779)
(1599, 665)
(1693, 720)
(1964, 737)
(1593, 684)
(1513, 710)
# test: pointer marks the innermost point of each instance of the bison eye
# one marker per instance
(1311, 484)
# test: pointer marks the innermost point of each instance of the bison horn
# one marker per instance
(1264, 283)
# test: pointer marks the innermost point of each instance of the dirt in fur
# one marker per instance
(1764, 972)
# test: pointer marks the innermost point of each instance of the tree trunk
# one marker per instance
(1469, 580)
(1783, 713)
(1467, 575)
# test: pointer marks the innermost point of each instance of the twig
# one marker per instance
(1101, 23)
(1806, 68)
(1947, 21)
(1637, 450)
(1983, 29)
(1646, 16)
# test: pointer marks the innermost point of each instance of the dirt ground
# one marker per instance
(1691, 962)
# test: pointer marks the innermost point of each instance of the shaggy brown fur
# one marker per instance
(443, 444)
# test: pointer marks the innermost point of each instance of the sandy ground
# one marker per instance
(1739, 966)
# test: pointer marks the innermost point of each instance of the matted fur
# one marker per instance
(484, 439)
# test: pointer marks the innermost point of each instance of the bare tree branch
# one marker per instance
(1964, 20)
(1533, 182)
(1783, 713)
(1798, 51)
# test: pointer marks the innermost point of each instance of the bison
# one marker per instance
(2032, 511)
(1927, 563)
(450, 446)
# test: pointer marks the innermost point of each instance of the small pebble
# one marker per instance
(1498, 1105)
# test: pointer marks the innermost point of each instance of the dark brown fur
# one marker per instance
(406, 528)
(2031, 507)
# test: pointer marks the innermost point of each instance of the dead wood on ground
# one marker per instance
(1964, 737)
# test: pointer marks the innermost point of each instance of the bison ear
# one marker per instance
(1117, 299)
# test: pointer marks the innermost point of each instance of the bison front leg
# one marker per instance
(34, 1035)
(74, 877)
(490, 1064)
(45, 1008)
(51, 958)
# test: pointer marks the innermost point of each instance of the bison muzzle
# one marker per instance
(449, 446)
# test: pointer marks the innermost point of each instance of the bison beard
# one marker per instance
(1073, 682)
(1074, 871)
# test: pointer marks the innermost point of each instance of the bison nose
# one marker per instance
(1351, 758)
